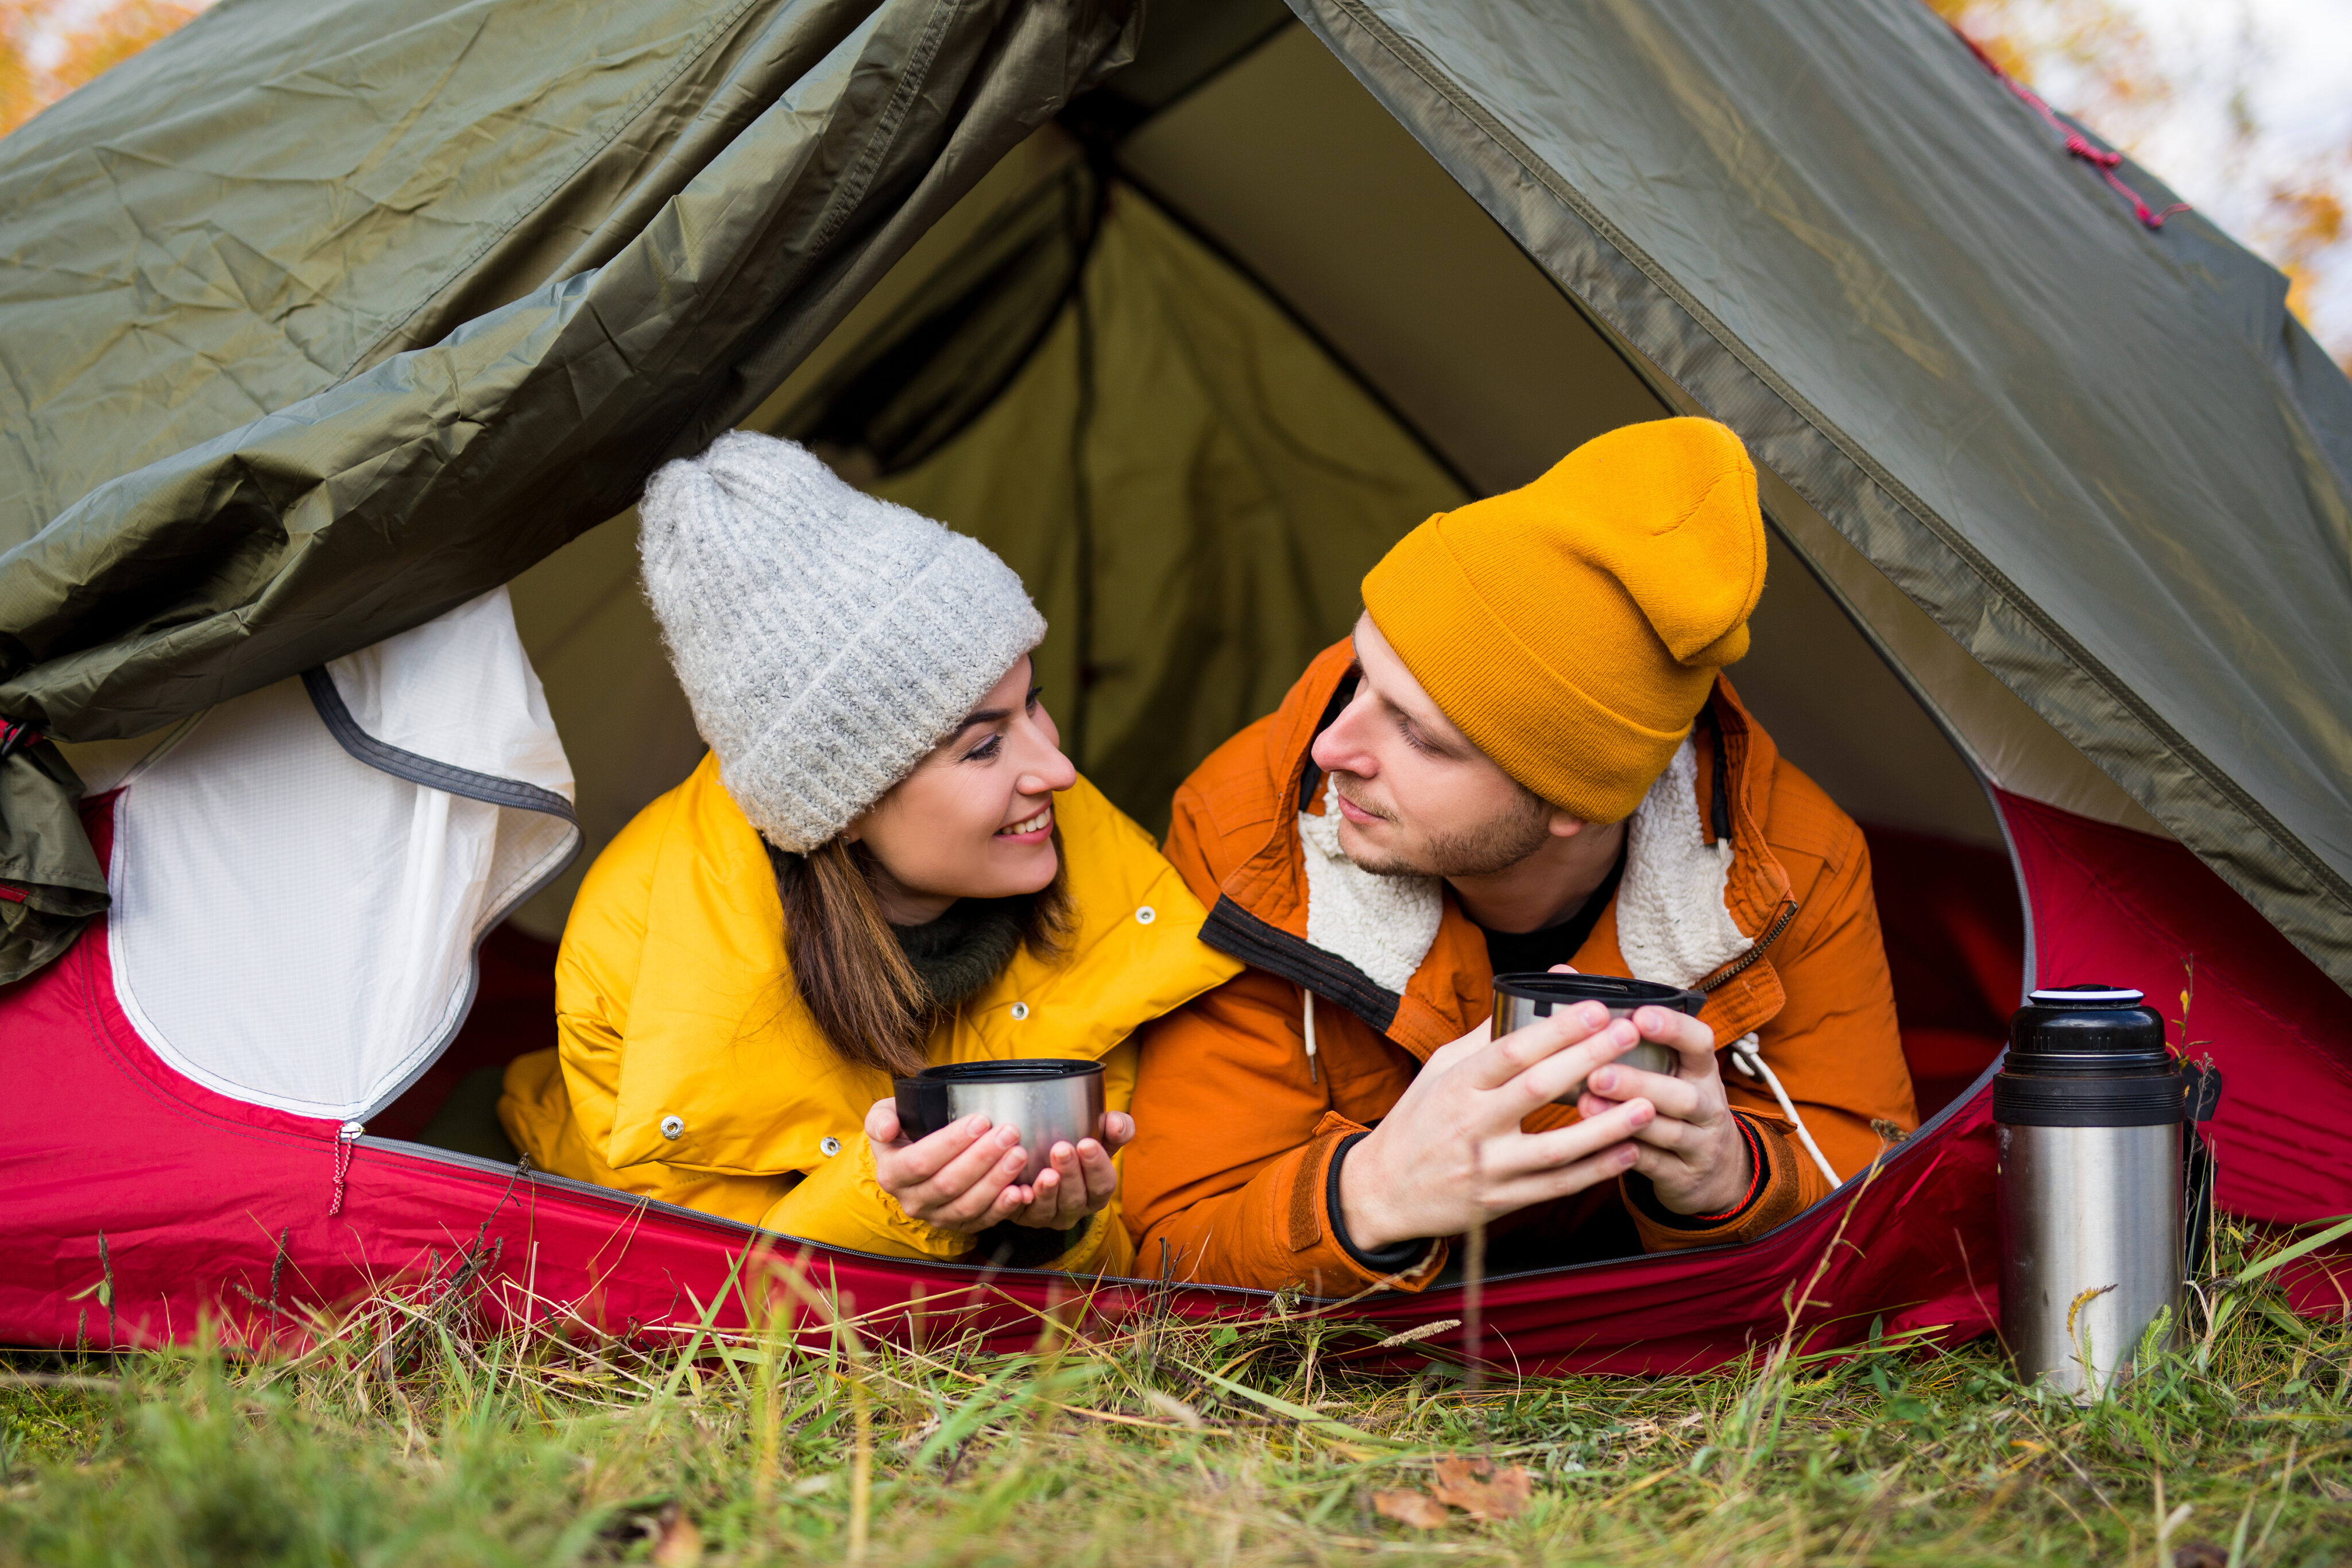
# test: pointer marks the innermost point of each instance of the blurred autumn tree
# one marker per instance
(48, 47)
(2097, 60)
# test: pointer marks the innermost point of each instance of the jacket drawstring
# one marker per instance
(1748, 1056)
(1312, 1075)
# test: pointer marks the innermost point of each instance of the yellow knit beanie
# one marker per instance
(1572, 627)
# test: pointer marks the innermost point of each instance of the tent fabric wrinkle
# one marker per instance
(2057, 474)
(54, 881)
(803, 146)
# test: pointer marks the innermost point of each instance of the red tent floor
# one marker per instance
(194, 1207)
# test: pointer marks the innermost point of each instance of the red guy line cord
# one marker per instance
(2075, 143)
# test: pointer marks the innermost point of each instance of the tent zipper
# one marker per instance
(345, 1136)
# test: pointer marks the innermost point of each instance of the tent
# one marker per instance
(339, 338)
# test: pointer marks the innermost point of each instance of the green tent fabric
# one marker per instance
(316, 321)
(2101, 456)
(1189, 484)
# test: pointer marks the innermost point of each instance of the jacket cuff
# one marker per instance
(1397, 1257)
(1315, 1223)
(1772, 1196)
(841, 1204)
(927, 1239)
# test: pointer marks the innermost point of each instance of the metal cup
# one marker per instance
(1047, 1100)
(1521, 998)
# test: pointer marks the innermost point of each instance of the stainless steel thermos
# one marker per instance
(2095, 1118)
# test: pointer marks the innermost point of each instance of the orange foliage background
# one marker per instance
(2289, 207)
(2116, 80)
(48, 47)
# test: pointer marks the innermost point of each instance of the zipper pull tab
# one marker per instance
(346, 1136)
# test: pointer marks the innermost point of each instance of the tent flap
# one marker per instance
(50, 881)
(2101, 456)
(315, 954)
(724, 190)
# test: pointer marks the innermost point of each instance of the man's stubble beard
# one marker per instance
(1494, 846)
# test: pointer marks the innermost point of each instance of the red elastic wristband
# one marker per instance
(1755, 1176)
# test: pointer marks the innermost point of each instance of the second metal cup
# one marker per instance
(1523, 998)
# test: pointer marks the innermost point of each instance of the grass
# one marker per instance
(401, 1438)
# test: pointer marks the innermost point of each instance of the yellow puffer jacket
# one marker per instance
(675, 1008)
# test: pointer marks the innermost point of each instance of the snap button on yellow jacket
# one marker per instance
(688, 1071)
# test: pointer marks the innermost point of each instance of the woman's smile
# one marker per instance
(1032, 830)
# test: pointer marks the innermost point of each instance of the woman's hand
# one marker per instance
(959, 1178)
(1076, 1181)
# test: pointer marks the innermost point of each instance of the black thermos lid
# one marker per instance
(2087, 1055)
(2102, 1030)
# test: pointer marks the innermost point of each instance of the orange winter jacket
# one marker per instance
(1227, 1178)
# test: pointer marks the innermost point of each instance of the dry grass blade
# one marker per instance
(407, 1429)
(1424, 1331)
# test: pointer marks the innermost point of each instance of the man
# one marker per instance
(1525, 757)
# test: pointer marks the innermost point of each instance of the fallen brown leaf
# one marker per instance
(678, 1541)
(1480, 1490)
(1415, 1507)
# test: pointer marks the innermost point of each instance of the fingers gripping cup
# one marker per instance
(1046, 1099)
(1521, 998)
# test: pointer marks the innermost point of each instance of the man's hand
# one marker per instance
(1451, 1152)
(1691, 1150)
(1076, 1181)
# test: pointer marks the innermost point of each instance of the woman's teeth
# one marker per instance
(1043, 820)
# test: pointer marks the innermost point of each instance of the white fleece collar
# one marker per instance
(1672, 924)
(1383, 924)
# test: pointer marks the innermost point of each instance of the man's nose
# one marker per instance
(1338, 749)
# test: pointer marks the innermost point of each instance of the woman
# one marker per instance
(885, 862)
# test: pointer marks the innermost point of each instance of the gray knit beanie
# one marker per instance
(827, 640)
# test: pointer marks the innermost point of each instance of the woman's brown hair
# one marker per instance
(849, 968)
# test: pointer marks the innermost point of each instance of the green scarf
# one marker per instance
(964, 948)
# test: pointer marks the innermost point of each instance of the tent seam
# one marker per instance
(417, 769)
(2089, 669)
